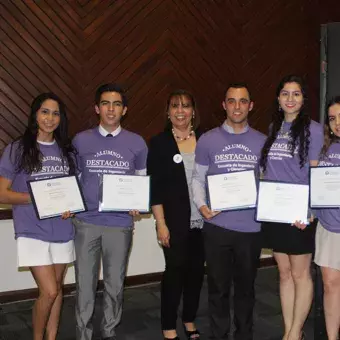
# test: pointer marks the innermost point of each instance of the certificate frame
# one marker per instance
(34, 203)
(237, 208)
(326, 206)
(284, 183)
(101, 209)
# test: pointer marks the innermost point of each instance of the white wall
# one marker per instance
(146, 256)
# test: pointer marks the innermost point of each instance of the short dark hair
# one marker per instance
(238, 86)
(110, 87)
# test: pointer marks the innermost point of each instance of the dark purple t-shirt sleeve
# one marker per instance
(142, 153)
(316, 142)
(7, 167)
(202, 152)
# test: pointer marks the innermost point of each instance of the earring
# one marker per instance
(280, 108)
(332, 133)
(193, 115)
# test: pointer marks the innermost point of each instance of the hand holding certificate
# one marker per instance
(325, 187)
(53, 197)
(232, 191)
(125, 193)
(282, 202)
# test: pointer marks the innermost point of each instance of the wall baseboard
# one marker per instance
(6, 214)
(130, 281)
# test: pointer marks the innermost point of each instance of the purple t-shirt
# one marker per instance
(282, 166)
(225, 152)
(330, 218)
(26, 223)
(121, 154)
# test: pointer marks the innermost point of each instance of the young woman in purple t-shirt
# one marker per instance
(293, 144)
(327, 241)
(45, 246)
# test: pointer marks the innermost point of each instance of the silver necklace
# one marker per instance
(284, 134)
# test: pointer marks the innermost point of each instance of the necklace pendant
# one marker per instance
(284, 134)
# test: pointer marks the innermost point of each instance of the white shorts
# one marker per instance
(32, 252)
(327, 248)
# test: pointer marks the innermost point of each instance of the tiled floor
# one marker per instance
(141, 316)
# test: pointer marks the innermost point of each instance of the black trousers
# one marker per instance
(184, 272)
(231, 256)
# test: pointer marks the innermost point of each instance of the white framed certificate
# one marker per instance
(54, 196)
(125, 193)
(282, 202)
(232, 190)
(325, 187)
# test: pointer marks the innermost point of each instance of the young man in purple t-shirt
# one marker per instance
(231, 238)
(106, 149)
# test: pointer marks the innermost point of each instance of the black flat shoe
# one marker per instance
(191, 335)
(177, 338)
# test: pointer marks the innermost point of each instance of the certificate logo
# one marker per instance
(332, 173)
(121, 180)
(53, 184)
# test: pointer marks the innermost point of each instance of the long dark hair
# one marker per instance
(28, 157)
(329, 136)
(299, 133)
(178, 94)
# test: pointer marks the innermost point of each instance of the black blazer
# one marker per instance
(168, 182)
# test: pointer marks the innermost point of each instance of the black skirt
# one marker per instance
(288, 239)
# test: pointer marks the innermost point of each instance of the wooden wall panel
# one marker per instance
(152, 47)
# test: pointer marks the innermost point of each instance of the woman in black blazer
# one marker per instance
(178, 221)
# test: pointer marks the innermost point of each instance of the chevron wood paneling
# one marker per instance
(152, 47)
